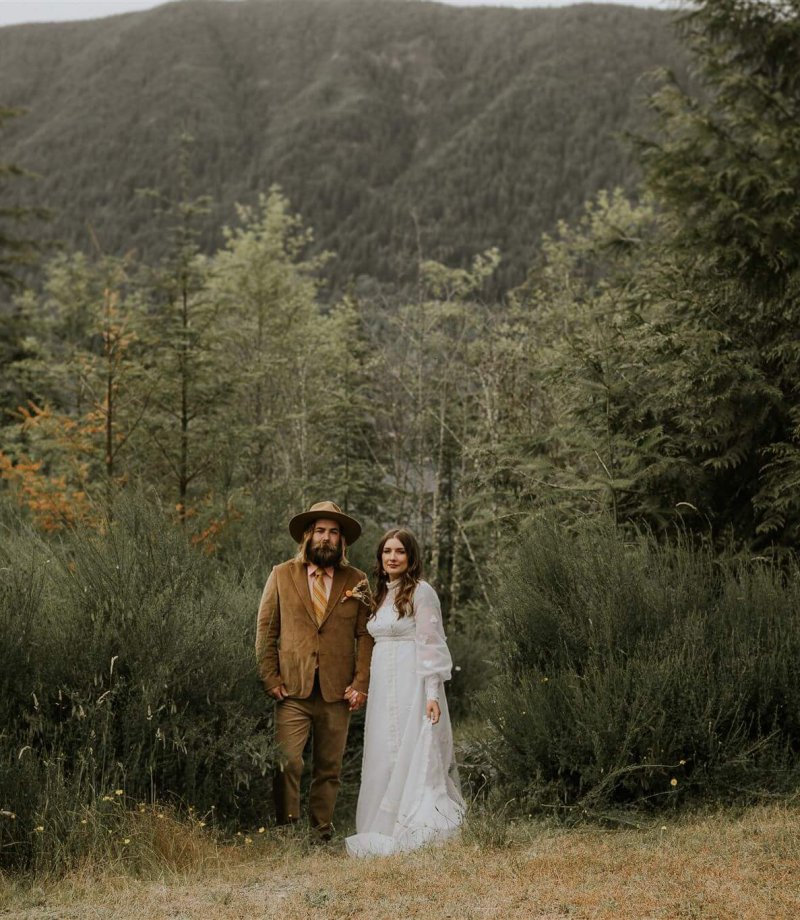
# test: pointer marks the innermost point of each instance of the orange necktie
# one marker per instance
(318, 596)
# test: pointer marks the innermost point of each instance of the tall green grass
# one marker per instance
(636, 672)
(126, 673)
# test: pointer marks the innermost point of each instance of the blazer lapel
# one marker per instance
(300, 579)
(339, 581)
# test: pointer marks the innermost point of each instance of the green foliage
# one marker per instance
(127, 663)
(599, 445)
(662, 335)
(640, 673)
(723, 171)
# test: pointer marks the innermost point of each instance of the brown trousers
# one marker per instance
(294, 719)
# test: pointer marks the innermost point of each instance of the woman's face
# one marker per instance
(394, 558)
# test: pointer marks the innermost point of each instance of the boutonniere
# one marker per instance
(360, 592)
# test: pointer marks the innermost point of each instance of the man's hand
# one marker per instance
(280, 692)
(355, 698)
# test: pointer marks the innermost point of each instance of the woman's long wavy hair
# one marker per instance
(404, 602)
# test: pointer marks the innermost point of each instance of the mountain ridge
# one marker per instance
(381, 120)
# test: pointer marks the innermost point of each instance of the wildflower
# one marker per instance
(7, 814)
(84, 821)
(663, 827)
(673, 782)
(119, 792)
(682, 762)
(201, 823)
(238, 833)
(247, 841)
(457, 667)
(262, 830)
(39, 829)
(126, 841)
(160, 815)
(108, 798)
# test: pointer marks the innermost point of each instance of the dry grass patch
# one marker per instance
(721, 867)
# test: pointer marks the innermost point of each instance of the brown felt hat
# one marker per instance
(351, 529)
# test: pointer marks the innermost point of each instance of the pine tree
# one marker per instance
(726, 171)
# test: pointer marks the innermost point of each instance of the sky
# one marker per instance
(16, 11)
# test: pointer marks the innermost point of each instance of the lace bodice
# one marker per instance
(424, 627)
(387, 623)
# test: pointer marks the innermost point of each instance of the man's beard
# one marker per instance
(324, 555)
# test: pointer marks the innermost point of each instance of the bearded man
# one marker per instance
(314, 652)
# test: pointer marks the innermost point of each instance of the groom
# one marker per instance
(313, 653)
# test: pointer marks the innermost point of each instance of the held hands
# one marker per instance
(433, 712)
(355, 698)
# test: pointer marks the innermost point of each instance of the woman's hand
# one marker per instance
(433, 712)
(355, 698)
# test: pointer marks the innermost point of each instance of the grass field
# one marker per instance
(728, 865)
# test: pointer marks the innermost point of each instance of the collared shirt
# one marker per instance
(327, 579)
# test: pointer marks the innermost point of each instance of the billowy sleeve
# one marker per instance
(434, 663)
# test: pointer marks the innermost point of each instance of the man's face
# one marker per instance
(326, 531)
(326, 543)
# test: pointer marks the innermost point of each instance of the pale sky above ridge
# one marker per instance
(19, 11)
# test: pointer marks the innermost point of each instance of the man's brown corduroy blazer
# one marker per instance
(290, 645)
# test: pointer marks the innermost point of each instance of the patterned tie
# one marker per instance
(318, 596)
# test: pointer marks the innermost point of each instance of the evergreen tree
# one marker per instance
(726, 171)
(185, 360)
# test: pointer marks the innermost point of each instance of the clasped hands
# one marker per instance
(355, 698)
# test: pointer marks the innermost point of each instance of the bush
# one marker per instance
(127, 663)
(637, 672)
(473, 647)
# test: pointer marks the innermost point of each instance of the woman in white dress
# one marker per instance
(409, 792)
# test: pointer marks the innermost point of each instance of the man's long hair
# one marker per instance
(303, 550)
(404, 601)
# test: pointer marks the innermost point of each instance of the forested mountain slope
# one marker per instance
(393, 127)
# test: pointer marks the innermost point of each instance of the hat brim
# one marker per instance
(351, 529)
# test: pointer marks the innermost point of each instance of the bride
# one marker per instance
(409, 792)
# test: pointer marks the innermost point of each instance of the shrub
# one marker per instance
(127, 663)
(637, 672)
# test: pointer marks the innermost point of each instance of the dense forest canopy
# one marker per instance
(396, 129)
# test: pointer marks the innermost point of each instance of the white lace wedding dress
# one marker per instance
(409, 792)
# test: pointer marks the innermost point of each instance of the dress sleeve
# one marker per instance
(434, 663)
